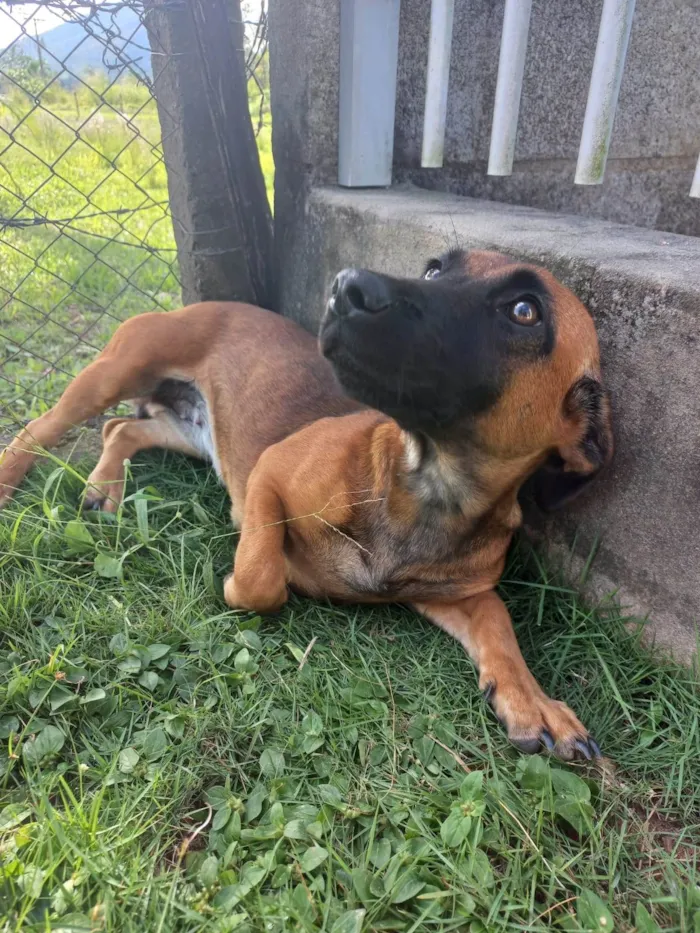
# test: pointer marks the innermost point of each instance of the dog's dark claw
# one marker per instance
(587, 748)
(489, 691)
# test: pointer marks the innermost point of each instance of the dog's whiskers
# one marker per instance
(343, 535)
(318, 515)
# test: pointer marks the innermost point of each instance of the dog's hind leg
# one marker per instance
(131, 365)
(124, 437)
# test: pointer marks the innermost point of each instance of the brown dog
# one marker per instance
(402, 485)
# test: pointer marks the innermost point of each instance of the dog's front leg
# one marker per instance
(483, 626)
(259, 579)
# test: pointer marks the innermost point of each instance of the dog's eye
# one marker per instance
(524, 312)
(434, 268)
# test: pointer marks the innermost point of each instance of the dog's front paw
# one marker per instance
(258, 599)
(534, 721)
(104, 495)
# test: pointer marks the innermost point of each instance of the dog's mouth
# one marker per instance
(343, 342)
(329, 336)
(372, 374)
(353, 370)
(367, 333)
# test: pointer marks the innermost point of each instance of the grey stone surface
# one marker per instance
(659, 106)
(304, 76)
(656, 138)
(643, 288)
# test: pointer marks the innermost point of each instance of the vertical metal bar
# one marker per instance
(695, 187)
(511, 66)
(438, 76)
(369, 49)
(609, 63)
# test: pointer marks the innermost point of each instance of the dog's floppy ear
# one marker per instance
(573, 466)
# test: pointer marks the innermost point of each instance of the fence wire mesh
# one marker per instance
(86, 236)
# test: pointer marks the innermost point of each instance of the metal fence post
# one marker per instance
(695, 187)
(369, 46)
(511, 68)
(437, 83)
(606, 78)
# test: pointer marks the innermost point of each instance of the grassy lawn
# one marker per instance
(169, 765)
(64, 288)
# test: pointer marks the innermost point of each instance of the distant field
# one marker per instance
(63, 290)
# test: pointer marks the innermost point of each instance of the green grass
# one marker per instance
(169, 765)
(64, 289)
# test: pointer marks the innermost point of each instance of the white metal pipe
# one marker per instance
(511, 66)
(438, 76)
(608, 65)
(369, 48)
(695, 187)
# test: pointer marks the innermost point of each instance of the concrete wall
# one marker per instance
(643, 289)
(656, 138)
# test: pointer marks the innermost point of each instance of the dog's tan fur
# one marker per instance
(333, 499)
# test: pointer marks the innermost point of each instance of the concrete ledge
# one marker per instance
(643, 288)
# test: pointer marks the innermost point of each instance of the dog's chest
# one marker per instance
(413, 566)
(372, 563)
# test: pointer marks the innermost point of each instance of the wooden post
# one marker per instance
(221, 215)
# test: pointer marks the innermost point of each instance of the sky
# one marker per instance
(41, 19)
(10, 15)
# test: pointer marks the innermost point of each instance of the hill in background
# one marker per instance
(73, 44)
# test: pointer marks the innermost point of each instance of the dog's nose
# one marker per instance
(356, 291)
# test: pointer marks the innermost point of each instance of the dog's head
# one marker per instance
(484, 348)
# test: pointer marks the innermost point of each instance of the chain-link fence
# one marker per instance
(86, 236)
